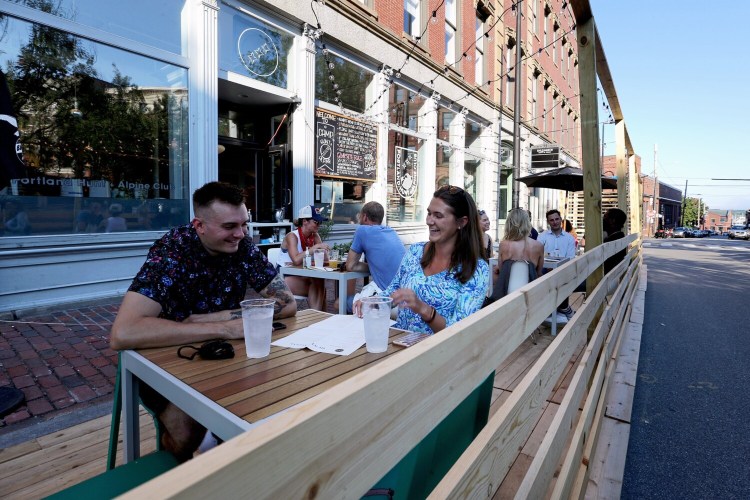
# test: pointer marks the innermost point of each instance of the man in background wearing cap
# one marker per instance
(189, 290)
(305, 238)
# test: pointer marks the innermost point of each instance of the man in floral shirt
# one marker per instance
(189, 290)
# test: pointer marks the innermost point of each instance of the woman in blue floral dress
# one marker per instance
(445, 279)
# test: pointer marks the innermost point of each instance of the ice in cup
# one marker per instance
(319, 258)
(257, 319)
(376, 312)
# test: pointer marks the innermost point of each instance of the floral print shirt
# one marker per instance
(180, 275)
(453, 300)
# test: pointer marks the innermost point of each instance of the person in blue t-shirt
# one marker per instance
(382, 248)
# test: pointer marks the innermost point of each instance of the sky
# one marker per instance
(681, 70)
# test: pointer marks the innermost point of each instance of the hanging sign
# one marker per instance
(345, 147)
(405, 165)
(547, 156)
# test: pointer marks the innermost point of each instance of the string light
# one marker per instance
(317, 34)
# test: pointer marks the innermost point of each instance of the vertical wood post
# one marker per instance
(592, 185)
(622, 168)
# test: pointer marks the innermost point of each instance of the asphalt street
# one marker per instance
(690, 431)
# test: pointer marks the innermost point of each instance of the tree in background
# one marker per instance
(691, 208)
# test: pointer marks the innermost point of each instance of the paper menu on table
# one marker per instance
(339, 334)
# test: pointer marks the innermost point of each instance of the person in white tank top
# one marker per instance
(293, 252)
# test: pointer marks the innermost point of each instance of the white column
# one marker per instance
(428, 151)
(379, 87)
(487, 171)
(201, 47)
(303, 120)
(458, 141)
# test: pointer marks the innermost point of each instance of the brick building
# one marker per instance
(718, 220)
(662, 206)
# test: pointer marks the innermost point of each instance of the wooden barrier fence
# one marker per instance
(337, 445)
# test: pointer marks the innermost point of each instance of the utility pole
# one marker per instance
(517, 112)
(653, 199)
(684, 205)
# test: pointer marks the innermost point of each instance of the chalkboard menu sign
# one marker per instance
(344, 147)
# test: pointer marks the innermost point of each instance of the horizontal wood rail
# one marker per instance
(338, 444)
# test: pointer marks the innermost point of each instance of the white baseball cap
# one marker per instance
(310, 212)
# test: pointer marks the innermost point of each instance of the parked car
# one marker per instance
(732, 232)
(740, 234)
(679, 232)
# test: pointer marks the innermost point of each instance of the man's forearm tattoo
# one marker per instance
(235, 314)
(278, 290)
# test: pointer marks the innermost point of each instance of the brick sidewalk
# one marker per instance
(59, 359)
(62, 362)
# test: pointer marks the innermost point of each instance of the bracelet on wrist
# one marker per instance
(432, 316)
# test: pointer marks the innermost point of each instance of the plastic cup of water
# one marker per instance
(319, 258)
(376, 312)
(257, 319)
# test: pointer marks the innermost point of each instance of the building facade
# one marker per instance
(121, 116)
(718, 220)
(662, 206)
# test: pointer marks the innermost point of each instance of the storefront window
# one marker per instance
(406, 187)
(471, 171)
(346, 146)
(103, 136)
(338, 81)
(404, 107)
(340, 201)
(445, 157)
(473, 133)
(153, 23)
(503, 194)
(252, 48)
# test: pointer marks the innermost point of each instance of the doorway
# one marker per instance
(255, 154)
(264, 175)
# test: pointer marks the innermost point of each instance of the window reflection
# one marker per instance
(338, 81)
(153, 23)
(103, 134)
(340, 201)
(404, 107)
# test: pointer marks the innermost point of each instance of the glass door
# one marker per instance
(274, 186)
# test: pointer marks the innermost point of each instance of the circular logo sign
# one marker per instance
(257, 52)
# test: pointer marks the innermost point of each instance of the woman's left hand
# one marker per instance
(406, 297)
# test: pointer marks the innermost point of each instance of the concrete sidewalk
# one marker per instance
(62, 362)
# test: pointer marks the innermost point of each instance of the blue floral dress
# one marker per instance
(452, 299)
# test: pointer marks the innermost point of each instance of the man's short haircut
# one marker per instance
(374, 211)
(550, 212)
(217, 191)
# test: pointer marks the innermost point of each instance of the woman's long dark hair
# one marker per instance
(469, 245)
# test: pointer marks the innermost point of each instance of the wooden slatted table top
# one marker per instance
(254, 389)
